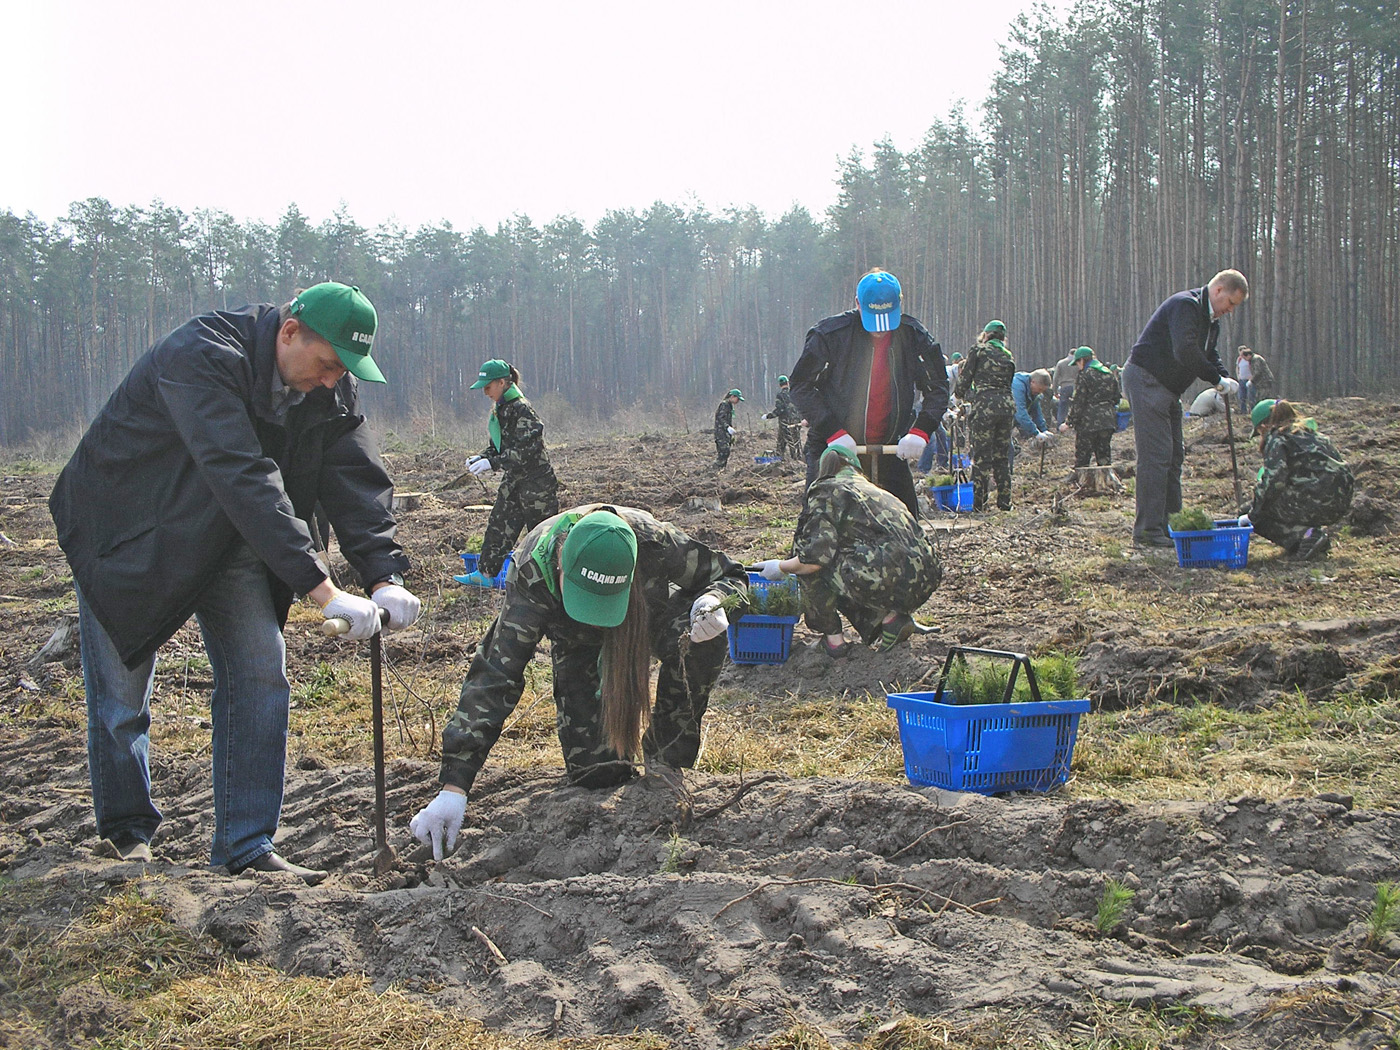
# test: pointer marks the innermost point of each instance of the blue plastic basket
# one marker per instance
(498, 581)
(953, 497)
(763, 461)
(1224, 547)
(1124, 418)
(761, 639)
(987, 748)
(761, 587)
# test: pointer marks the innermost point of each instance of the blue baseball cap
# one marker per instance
(878, 295)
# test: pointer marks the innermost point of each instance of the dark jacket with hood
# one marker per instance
(1178, 344)
(831, 379)
(189, 455)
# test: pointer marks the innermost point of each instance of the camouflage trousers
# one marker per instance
(722, 446)
(1093, 443)
(790, 440)
(683, 687)
(991, 437)
(865, 584)
(520, 504)
(1301, 507)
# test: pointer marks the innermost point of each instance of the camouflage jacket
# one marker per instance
(985, 379)
(1262, 375)
(669, 563)
(783, 408)
(724, 419)
(517, 438)
(1096, 396)
(846, 511)
(1299, 465)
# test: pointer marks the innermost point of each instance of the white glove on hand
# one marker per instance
(1046, 436)
(1229, 387)
(707, 619)
(362, 614)
(479, 466)
(440, 822)
(1064, 427)
(731, 431)
(1244, 521)
(770, 570)
(845, 441)
(911, 447)
(400, 603)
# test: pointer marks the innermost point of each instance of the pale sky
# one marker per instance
(472, 112)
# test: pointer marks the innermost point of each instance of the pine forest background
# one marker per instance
(1123, 155)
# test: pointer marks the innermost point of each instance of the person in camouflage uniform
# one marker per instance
(1261, 381)
(789, 421)
(724, 427)
(1303, 485)
(984, 384)
(1093, 410)
(529, 491)
(590, 579)
(858, 552)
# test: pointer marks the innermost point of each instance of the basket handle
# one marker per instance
(1018, 660)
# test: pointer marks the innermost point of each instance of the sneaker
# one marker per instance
(838, 651)
(124, 847)
(894, 632)
(1314, 545)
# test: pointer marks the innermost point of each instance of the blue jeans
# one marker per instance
(248, 709)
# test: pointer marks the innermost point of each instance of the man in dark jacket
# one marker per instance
(190, 494)
(1176, 348)
(857, 379)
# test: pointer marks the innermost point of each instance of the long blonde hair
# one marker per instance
(625, 673)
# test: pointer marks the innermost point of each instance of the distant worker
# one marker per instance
(529, 491)
(1244, 373)
(1028, 391)
(724, 427)
(1176, 347)
(1261, 383)
(1093, 409)
(789, 419)
(1303, 486)
(984, 385)
(1063, 382)
(190, 495)
(1208, 403)
(610, 587)
(858, 551)
(857, 379)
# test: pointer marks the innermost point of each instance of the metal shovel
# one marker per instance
(384, 857)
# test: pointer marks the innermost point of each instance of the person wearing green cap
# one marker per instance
(1303, 485)
(529, 491)
(858, 552)
(984, 384)
(191, 494)
(610, 586)
(789, 421)
(1093, 411)
(724, 427)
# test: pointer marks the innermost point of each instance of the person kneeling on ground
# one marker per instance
(1303, 485)
(610, 586)
(858, 551)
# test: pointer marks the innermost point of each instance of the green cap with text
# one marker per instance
(342, 316)
(595, 569)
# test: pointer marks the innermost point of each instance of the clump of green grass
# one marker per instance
(1113, 905)
(1385, 913)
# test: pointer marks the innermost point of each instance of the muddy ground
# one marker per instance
(754, 902)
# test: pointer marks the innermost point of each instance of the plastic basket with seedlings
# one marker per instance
(761, 622)
(1206, 542)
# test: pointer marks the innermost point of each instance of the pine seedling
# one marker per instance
(1058, 676)
(1385, 913)
(1113, 905)
(675, 849)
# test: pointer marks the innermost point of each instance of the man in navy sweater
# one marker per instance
(1176, 348)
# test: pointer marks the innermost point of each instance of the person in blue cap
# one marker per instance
(191, 494)
(857, 380)
(529, 491)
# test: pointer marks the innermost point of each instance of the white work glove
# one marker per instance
(1244, 521)
(480, 465)
(949, 418)
(731, 431)
(707, 619)
(1045, 437)
(400, 603)
(911, 447)
(440, 822)
(1064, 427)
(842, 439)
(770, 570)
(1227, 386)
(361, 613)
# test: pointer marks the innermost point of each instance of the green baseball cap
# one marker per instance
(596, 568)
(956, 356)
(1082, 352)
(994, 326)
(1261, 411)
(735, 393)
(342, 316)
(783, 379)
(491, 371)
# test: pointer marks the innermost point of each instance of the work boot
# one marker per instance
(124, 847)
(275, 862)
(1313, 546)
(1153, 539)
